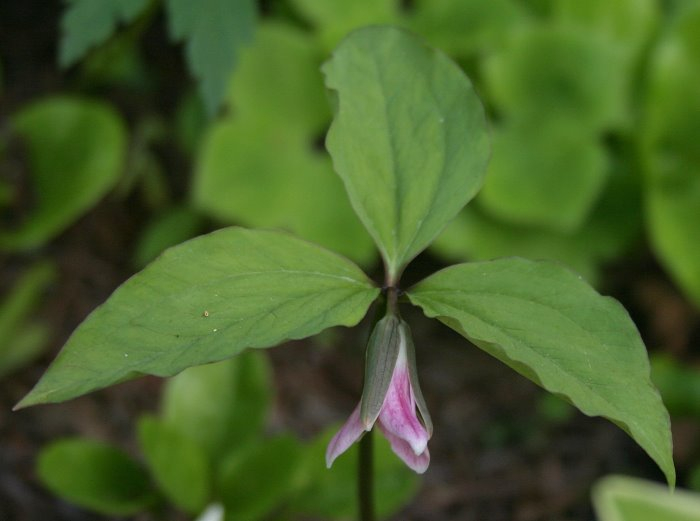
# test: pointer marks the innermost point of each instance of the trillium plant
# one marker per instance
(409, 140)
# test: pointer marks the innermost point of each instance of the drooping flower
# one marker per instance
(391, 398)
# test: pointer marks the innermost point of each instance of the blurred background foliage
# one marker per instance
(208, 446)
(595, 113)
(594, 110)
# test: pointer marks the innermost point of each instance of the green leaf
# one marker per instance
(546, 323)
(561, 74)
(409, 138)
(627, 23)
(279, 105)
(332, 493)
(178, 464)
(169, 228)
(95, 476)
(550, 178)
(679, 385)
(671, 153)
(611, 229)
(253, 482)
(214, 31)
(333, 19)
(22, 339)
(222, 406)
(465, 28)
(620, 498)
(206, 300)
(86, 24)
(77, 149)
(278, 82)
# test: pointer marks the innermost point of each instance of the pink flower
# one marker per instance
(392, 397)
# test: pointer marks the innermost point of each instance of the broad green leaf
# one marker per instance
(332, 493)
(170, 227)
(409, 138)
(177, 463)
(561, 74)
(279, 105)
(86, 24)
(213, 31)
(546, 323)
(76, 151)
(21, 338)
(550, 178)
(465, 28)
(95, 476)
(333, 19)
(672, 155)
(221, 406)
(621, 498)
(204, 301)
(253, 482)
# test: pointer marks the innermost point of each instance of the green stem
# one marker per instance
(365, 475)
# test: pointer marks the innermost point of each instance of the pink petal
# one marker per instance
(416, 462)
(398, 415)
(348, 434)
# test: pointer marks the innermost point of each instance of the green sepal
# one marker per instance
(382, 353)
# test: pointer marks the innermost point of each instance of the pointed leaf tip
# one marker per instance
(549, 325)
(409, 138)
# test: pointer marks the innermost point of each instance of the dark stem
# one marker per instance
(365, 479)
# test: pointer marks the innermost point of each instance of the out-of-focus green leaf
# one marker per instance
(627, 23)
(86, 24)
(465, 27)
(621, 498)
(679, 385)
(409, 138)
(119, 62)
(22, 339)
(76, 153)
(672, 155)
(190, 123)
(253, 482)
(560, 74)
(259, 167)
(278, 82)
(333, 19)
(95, 476)
(222, 406)
(178, 464)
(253, 177)
(204, 301)
(546, 323)
(7, 192)
(475, 236)
(612, 228)
(169, 228)
(332, 493)
(213, 31)
(549, 177)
